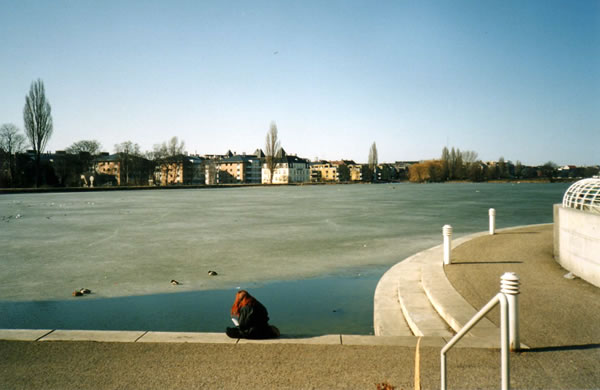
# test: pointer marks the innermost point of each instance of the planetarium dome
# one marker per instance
(583, 195)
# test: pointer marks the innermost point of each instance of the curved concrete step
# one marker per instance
(428, 303)
(388, 319)
(421, 317)
(450, 305)
(401, 305)
(421, 289)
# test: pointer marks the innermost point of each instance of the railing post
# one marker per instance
(504, 331)
(447, 233)
(443, 375)
(509, 285)
(492, 214)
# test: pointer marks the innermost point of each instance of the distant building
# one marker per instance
(179, 170)
(60, 169)
(126, 169)
(402, 168)
(239, 169)
(109, 165)
(330, 171)
(323, 171)
(357, 171)
(386, 172)
(289, 169)
(567, 171)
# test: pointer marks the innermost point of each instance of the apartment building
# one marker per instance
(239, 169)
(289, 169)
(330, 171)
(358, 172)
(127, 169)
(179, 170)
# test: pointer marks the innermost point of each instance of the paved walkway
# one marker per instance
(560, 321)
(555, 311)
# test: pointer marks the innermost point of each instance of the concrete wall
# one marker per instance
(577, 242)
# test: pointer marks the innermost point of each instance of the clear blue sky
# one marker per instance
(518, 79)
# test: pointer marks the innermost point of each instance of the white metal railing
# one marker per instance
(509, 327)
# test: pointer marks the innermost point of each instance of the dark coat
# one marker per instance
(254, 323)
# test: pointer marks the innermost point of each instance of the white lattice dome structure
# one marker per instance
(583, 195)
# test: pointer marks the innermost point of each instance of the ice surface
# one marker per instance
(135, 242)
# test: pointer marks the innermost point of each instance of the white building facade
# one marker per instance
(289, 169)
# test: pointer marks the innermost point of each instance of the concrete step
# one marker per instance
(429, 304)
(450, 305)
(421, 317)
(388, 319)
(401, 305)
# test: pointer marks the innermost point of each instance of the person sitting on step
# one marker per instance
(251, 319)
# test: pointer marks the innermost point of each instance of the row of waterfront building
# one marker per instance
(232, 168)
(126, 169)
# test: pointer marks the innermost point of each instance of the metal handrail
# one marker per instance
(505, 363)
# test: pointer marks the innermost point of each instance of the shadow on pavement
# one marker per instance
(486, 262)
(563, 348)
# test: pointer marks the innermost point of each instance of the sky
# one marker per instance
(513, 79)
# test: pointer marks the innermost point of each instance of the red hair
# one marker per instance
(242, 298)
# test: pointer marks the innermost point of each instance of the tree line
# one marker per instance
(455, 164)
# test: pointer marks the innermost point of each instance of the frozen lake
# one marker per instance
(312, 254)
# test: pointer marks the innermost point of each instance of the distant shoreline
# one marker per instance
(4, 191)
(518, 181)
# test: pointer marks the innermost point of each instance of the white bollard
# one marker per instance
(447, 234)
(509, 286)
(492, 213)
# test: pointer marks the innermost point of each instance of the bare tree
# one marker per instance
(166, 149)
(163, 153)
(502, 168)
(11, 142)
(128, 147)
(272, 148)
(459, 167)
(518, 169)
(445, 159)
(92, 147)
(469, 156)
(38, 122)
(475, 171)
(174, 148)
(548, 170)
(128, 152)
(85, 151)
(373, 160)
